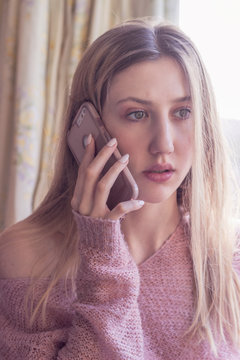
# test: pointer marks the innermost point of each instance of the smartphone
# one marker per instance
(88, 121)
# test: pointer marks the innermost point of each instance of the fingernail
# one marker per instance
(124, 158)
(112, 142)
(140, 202)
(87, 139)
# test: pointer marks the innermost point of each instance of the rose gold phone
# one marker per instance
(87, 121)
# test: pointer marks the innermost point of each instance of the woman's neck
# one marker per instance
(147, 229)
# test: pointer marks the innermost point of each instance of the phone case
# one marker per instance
(87, 121)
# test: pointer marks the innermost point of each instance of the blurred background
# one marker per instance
(41, 43)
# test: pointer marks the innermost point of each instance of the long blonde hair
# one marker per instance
(205, 193)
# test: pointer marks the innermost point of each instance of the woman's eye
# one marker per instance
(183, 113)
(136, 115)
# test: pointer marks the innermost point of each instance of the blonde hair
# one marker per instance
(205, 193)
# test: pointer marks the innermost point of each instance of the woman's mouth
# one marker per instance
(159, 173)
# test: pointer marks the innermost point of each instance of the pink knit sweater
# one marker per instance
(119, 311)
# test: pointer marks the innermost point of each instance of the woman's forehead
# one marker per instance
(164, 76)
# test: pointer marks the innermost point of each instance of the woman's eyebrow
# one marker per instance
(182, 99)
(147, 102)
(131, 98)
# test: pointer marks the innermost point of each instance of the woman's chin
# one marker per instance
(156, 198)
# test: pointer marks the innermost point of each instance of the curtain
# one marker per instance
(41, 43)
(24, 29)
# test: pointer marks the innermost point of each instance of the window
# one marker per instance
(214, 26)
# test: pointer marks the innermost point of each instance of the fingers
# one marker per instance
(92, 174)
(124, 208)
(89, 173)
(104, 186)
(91, 193)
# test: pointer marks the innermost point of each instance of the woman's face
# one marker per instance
(148, 110)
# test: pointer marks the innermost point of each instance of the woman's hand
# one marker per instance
(91, 193)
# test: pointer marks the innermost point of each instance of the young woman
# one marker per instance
(152, 278)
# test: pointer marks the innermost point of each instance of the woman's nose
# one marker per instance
(162, 138)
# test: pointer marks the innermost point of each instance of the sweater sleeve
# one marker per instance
(100, 321)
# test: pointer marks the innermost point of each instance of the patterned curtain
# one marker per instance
(41, 43)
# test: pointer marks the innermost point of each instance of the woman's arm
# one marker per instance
(107, 314)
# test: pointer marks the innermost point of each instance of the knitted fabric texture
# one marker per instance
(119, 311)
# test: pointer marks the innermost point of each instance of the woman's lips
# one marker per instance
(159, 172)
